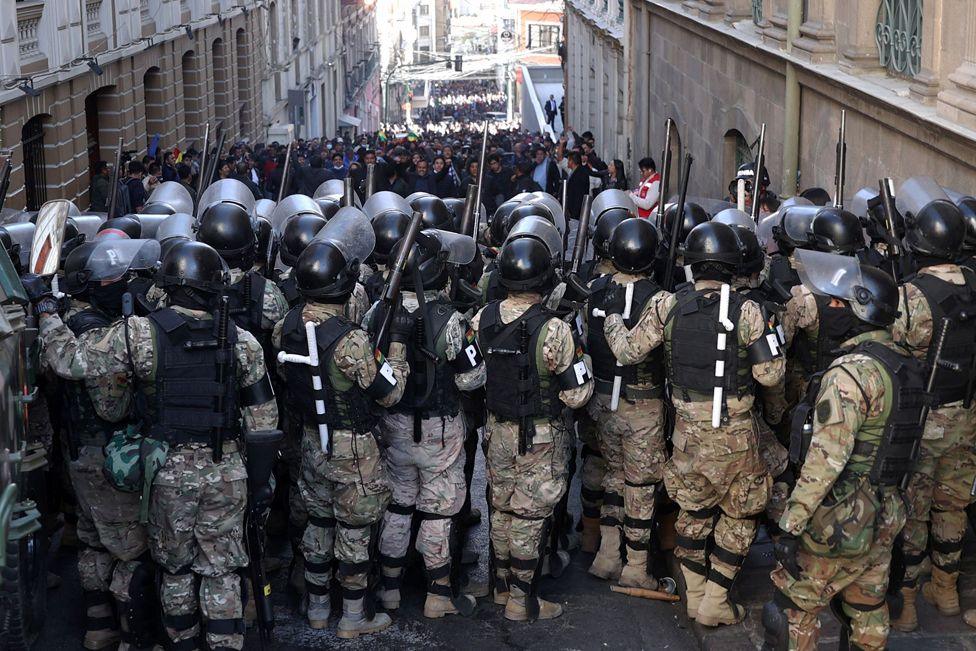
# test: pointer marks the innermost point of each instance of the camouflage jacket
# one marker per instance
(913, 327)
(110, 353)
(273, 307)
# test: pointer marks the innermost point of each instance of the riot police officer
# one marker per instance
(855, 434)
(717, 346)
(534, 368)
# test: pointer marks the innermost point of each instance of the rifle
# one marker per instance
(260, 454)
(284, 174)
(888, 208)
(573, 282)
(665, 172)
(5, 182)
(757, 179)
(467, 217)
(204, 161)
(840, 171)
(113, 184)
(391, 293)
(225, 357)
(676, 226)
(481, 179)
(564, 188)
(526, 425)
(212, 162)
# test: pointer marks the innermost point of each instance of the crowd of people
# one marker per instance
(804, 373)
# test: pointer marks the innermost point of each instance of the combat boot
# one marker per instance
(102, 629)
(908, 620)
(389, 594)
(716, 608)
(694, 590)
(590, 539)
(941, 591)
(607, 564)
(319, 607)
(500, 592)
(515, 609)
(441, 602)
(355, 623)
(634, 574)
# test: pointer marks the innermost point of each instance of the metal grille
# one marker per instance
(899, 36)
(757, 12)
(35, 173)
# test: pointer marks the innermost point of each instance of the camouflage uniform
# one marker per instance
(833, 504)
(802, 318)
(347, 493)
(427, 477)
(632, 445)
(716, 476)
(273, 305)
(525, 488)
(938, 492)
(115, 541)
(196, 513)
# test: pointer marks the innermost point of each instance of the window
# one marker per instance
(737, 152)
(543, 35)
(424, 10)
(898, 34)
(425, 31)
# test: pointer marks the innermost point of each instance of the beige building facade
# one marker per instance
(905, 71)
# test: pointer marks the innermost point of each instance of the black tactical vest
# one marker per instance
(85, 426)
(347, 408)
(443, 399)
(691, 346)
(781, 278)
(885, 446)
(816, 354)
(180, 404)
(289, 288)
(958, 303)
(518, 384)
(650, 371)
(246, 298)
(494, 290)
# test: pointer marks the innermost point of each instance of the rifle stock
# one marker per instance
(261, 451)
(888, 207)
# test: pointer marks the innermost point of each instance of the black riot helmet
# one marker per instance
(605, 225)
(870, 293)
(323, 274)
(329, 206)
(835, 230)
(792, 230)
(434, 210)
(389, 227)
(425, 254)
(747, 173)
(500, 223)
(967, 206)
(877, 300)
(192, 274)
(753, 259)
(938, 231)
(714, 249)
(75, 281)
(127, 225)
(693, 215)
(299, 231)
(816, 196)
(264, 234)
(524, 264)
(227, 228)
(633, 245)
(456, 207)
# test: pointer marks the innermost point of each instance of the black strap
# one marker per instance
(180, 622)
(727, 557)
(948, 568)
(258, 393)
(702, 514)
(945, 547)
(189, 644)
(690, 543)
(391, 582)
(347, 569)
(609, 521)
(502, 563)
(106, 622)
(439, 572)
(318, 568)
(226, 626)
(693, 567)
(440, 589)
(591, 494)
(637, 523)
(96, 598)
(393, 561)
(865, 608)
(717, 577)
(401, 509)
(324, 522)
(525, 517)
(316, 589)
(651, 484)
(353, 593)
(613, 499)
(426, 515)
(524, 563)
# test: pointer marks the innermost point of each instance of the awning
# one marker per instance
(346, 120)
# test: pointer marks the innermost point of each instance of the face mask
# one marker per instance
(107, 298)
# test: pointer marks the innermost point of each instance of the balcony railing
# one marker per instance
(144, 10)
(93, 10)
(757, 12)
(28, 29)
(899, 36)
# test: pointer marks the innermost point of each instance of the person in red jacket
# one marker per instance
(648, 193)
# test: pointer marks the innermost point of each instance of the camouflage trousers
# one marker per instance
(346, 495)
(719, 480)
(593, 465)
(108, 526)
(938, 492)
(524, 490)
(426, 478)
(859, 583)
(196, 533)
(632, 443)
(776, 458)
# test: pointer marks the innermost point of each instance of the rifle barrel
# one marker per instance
(579, 246)
(204, 159)
(665, 172)
(841, 171)
(467, 217)
(284, 173)
(113, 185)
(676, 225)
(757, 179)
(481, 176)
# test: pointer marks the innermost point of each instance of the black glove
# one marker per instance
(615, 299)
(39, 292)
(785, 552)
(401, 330)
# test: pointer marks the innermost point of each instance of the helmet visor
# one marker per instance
(226, 191)
(351, 232)
(611, 199)
(735, 217)
(458, 249)
(918, 192)
(541, 229)
(386, 201)
(828, 274)
(547, 200)
(178, 225)
(112, 259)
(293, 204)
(172, 194)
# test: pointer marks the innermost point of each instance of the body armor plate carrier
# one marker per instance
(247, 304)
(505, 360)
(885, 446)
(347, 408)
(444, 398)
(180, 405)
(86, 427)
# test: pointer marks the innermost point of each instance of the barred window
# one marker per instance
(899, 36)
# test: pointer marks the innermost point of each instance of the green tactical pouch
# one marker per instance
(846, 527)
(131, 464)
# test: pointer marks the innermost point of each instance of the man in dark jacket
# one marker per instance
(498, 184)
(545, 172)
(579, 185)
(443, 179)
(309, 178)
(523, 181)
(99, 191)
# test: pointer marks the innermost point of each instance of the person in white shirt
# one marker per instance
(648, 193)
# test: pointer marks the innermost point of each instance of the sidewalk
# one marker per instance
(753, 589)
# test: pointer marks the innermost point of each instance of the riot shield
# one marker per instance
(550, 202)
(828, 274)
(112, 259)
(764, 232)
(22, 237)
(172, 195)
(178, 225)
(45, 253)
(88, 224)
(918, 192)
(457, 249)
(226, 191)
(386, 201)
(735, 217)
(335, 189)
(264, 208)
(540, 229)
(150, 224)
(351, 232)
(290, 206)
(611, 199)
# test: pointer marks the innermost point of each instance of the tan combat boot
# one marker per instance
(500, 590)
(716, 609)
(440, 602)
(515, 608)
(941, 591)
(319, 609)
(590, 540)
(694, 590)
(355, 623)
(634, 574)
(908, 620)
(608, 564)
(389, 595)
